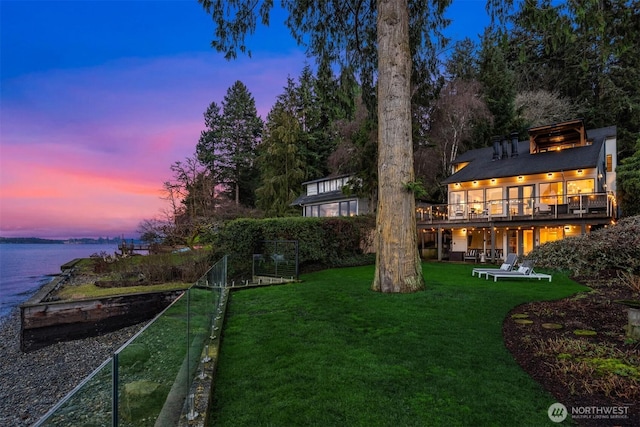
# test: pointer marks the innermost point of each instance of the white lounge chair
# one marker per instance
(524, 271)
(508, 265)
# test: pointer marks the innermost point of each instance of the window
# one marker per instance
(329, 209)
(476, 201)
(346, 208)
(312, 189)
(456, 204)
(550, 234)
(609, 163)
(494, 200)
(551, 193)
(581, 186)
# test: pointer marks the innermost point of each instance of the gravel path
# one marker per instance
(31, 383)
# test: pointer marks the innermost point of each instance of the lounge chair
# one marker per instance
(507, 265)
(525, 271)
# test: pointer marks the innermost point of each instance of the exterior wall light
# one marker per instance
(580, 171)
(520, 178)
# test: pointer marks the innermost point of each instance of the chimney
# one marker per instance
(505, 148)
(514, 144)
(496, 147)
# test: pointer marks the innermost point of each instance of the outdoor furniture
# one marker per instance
(472, 255)
(508, 265)
(525, 271)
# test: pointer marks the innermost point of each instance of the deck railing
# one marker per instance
(540, 207)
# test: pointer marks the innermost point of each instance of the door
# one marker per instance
(521, 200)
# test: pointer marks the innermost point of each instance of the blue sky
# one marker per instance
(99, 98)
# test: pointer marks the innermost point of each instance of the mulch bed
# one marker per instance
(590, 374)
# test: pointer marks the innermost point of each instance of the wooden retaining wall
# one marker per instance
(45, 323)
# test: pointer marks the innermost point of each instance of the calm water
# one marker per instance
(24, 268)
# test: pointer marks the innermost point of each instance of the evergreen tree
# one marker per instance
(585, 51)
(498, 86)
(628, 177)
(228, 146)
(280, 162)
(463, 62)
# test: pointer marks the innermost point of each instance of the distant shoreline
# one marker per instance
(81, 241)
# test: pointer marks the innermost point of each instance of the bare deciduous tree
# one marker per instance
(458, 106)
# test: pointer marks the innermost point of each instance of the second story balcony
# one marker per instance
(570, 207)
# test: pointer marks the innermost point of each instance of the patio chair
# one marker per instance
(507, 265)
(525, 271)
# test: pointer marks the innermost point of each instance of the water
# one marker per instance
(25, 268)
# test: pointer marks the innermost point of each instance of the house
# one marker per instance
(326, 197)
(507, 198)
(518, 194)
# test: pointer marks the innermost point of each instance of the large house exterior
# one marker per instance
(515, 195)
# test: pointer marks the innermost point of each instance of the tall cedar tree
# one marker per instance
(227, 147)
(378, 39)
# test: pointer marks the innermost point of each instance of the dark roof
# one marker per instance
(327, 178)
(332, 196)
(482, 166)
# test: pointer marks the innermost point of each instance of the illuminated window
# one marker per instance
(609, 163)
(476, 201)
(580, 186)
(494, 199)
(551, 193)
(456, 204)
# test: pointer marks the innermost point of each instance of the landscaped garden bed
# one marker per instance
(588, 361)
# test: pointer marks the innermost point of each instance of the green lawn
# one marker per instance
(330, 352)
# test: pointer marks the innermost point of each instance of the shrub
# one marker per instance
(615, 247)
(322, 242)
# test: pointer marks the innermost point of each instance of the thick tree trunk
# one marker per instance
(398, 267)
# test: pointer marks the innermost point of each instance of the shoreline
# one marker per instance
(32, 383)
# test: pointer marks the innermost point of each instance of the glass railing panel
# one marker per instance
(200, 319)
(151, 366)
(89, 404)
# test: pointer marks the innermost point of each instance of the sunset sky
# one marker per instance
(99, 98)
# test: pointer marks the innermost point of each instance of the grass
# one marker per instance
(331, 352)
(89, 290)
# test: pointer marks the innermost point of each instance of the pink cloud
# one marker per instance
(87, 150)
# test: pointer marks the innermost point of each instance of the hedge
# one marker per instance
(322, 242)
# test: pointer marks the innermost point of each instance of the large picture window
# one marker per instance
(346, 208)
(476, 201)
(456, 204)
(581, 186)
(495, 202)
(551, 193)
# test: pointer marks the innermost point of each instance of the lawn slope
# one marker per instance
(330, 352)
